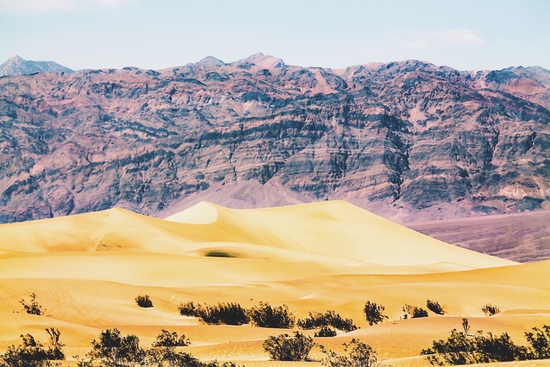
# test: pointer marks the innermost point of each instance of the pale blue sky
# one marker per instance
(463, 34)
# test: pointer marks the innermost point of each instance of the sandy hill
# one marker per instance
(86, 271)
(335, 229)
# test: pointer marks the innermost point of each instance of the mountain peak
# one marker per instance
(16, 65)
(261, 61)
(210, 61)
(16, 58)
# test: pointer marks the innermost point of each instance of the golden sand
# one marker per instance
(86, 271)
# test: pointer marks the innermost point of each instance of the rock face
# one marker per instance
(408, 140)
(19, 66)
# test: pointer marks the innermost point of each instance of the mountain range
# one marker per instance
(408, 140)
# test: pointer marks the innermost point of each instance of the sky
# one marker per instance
(155, 34)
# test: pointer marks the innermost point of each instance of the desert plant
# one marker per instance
(218, 253)
(32, 308)
(539, 341)
(222, 313)
(170, 339)
(329, 318)
(413, 312)
(113, 349)
(225, 313)
(55, 351)
(144, 301)
(435, 307)
(31, 353)
(490, 310)
(288, 348)
(465, 327)
(190, 309)
(359, 355)
(264, 315)
(325, 332)
(459, 349)
(373, 313)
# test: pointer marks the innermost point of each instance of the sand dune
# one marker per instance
(87, 269)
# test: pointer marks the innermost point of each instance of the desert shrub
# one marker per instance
(413, 312)
(329, 318)
(490, 348)
(144, 301)
(218, 253)
(168, 339)
(490, 310)
(32, 308)
(288, 348)
(465, 326)
(459, 349)
(190, 309)
(325, 332)
(113, 349)
(435, 307)
(32, 353)
(225, 313)
(55, 351)
(168, 357)
(222, 313)
(373, 313)
(264, 315)
(539, 342)
(359, 354)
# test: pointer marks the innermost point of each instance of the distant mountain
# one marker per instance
(19, 66)
(408, 140)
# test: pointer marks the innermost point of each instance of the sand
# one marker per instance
(86, 271)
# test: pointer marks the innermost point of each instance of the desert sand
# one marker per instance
(87, 269)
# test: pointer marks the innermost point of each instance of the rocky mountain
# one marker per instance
(408, 140)
(18, 66)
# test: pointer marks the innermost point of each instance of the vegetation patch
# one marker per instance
(222, 313)
(220, 253)
(490, 310)
(373, 313)
(358, 354)
(329, 318)
(435, 307)
(325, 332)
(279, 317)
(285, 347)
(413, 312)
(144, 301)
(32, 353)
(460, 348)
(32, 307)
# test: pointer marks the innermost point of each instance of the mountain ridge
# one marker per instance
(409, 140)
(17, 66)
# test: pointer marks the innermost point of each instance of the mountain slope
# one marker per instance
(408, 140)
(16, 65)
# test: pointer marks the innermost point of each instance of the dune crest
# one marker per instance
(335, 229)
(201, 213)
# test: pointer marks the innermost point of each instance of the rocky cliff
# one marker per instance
(408, 140)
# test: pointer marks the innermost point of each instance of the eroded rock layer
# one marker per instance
(408, 140)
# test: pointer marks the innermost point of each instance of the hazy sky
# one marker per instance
(463, 34)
